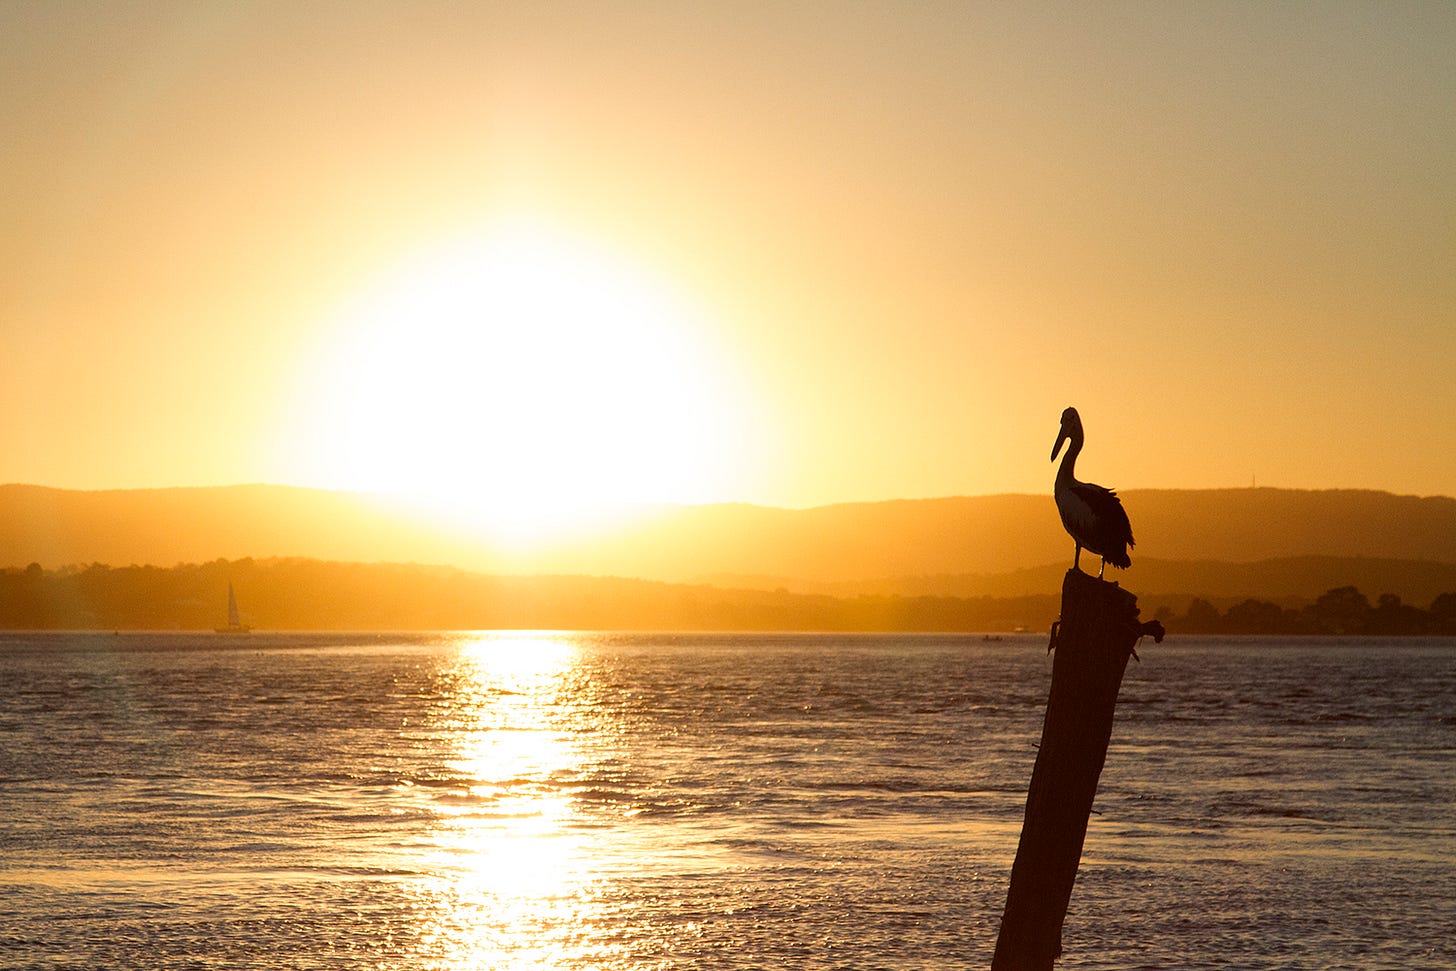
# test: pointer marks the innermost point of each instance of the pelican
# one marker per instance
(1091, 514)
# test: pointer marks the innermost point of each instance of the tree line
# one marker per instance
(1340, 611)
(302, 594)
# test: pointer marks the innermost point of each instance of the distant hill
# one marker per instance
(1232, 542)
(1001, 534)
(1288, 580)
(296, 594)
(162, 527)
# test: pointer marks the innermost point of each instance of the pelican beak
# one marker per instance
(1058, 446)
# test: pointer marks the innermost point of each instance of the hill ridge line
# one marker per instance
(987, 537)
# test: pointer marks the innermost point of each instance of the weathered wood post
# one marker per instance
(1097, 633)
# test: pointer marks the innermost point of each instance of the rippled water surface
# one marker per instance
(650, 801)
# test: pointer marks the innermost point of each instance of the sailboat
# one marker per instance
(234, 622)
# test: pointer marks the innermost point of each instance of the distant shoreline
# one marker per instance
(310, 595)
(275, 640)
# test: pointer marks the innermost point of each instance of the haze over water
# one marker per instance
(615, 801)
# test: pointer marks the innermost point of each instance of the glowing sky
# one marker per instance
(900, 237)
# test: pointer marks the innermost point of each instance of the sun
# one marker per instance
(524, 381)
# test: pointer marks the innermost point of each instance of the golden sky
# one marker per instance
(782, 253)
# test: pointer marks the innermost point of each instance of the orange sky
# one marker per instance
(845, 252)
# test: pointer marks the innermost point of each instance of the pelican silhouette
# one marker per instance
(1091, 514)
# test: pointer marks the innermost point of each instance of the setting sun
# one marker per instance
(523, 381)
(579, 486)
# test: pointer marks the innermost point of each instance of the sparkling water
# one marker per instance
(608, 801)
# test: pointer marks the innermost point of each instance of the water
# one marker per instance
(746, 801)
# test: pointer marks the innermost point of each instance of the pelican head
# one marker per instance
(1071, 428)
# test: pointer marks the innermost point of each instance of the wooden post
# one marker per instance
(1097, 633)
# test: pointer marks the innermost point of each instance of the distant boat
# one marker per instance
(234, 622)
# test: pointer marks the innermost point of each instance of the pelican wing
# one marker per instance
(1103, 528)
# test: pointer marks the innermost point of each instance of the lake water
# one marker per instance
(572, 801)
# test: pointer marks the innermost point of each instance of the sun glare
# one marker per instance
(523, 381)
(521, 884)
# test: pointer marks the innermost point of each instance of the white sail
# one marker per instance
(235, 623)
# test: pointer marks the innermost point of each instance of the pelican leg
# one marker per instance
(1077, 558)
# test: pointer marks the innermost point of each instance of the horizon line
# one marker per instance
(397, 496)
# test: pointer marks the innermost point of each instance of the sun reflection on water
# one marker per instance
(516, 887)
